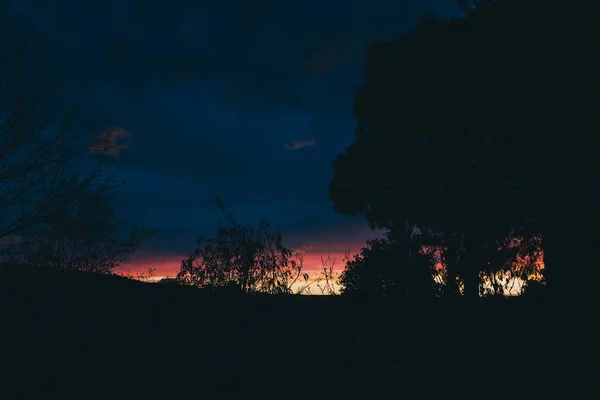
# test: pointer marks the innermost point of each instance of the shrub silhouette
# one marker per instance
(390, 268)
(84, 236)
(252, 260)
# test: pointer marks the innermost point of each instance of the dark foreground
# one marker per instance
(70, 335)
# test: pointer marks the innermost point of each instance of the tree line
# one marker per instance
(471, 151)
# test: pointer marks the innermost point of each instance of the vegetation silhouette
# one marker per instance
(391, 268)
(457, 151)
(58, 174)
(47, 146)
(457, 137)
(84, 236)
(242, 259)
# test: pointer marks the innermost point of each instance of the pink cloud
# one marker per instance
(109, 141)
(298, 144)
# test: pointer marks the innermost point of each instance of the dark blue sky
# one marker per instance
(211, 92)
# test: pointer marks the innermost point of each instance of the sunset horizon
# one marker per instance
(275, 200)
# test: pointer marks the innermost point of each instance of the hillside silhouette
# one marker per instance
(78, 334)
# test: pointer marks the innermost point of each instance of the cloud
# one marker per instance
(298, 144)
(266, 52)
(304, 249)
(109, 141)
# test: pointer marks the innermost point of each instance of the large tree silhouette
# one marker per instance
(407, 166)
(457, 136)
(43, 139)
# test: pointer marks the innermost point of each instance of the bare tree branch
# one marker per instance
(41, 139)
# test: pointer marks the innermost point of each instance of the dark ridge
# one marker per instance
(97, 336)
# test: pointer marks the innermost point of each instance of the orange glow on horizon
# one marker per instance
(168, 265)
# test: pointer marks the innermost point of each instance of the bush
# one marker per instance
(252, 260)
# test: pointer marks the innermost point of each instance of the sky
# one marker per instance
(248, 101)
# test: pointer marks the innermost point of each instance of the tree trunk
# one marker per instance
(569, 259)
(452, 250)
(470, 276)
(570, 213)
(570, 221)
(470, 266)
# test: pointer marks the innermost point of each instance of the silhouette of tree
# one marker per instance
(239, 256)
(392, 268)
(84, 236)
(511, 266)
(544, 112)
(406, 166)
(42, 141)
(456, 137)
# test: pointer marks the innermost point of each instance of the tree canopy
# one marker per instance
(457, 127)
(392, 268)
